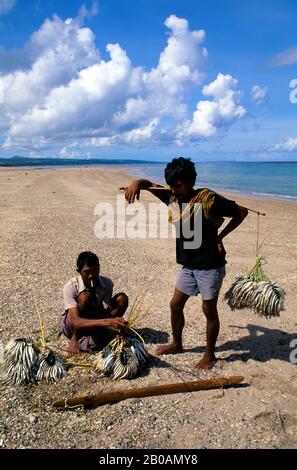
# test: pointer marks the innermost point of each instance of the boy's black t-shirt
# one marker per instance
(207, 256)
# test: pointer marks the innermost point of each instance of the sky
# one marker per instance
(149, 79)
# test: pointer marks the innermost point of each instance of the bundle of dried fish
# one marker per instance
(268, 299)
(255, 291)
(51, 367)
(24, 363)
(140, 352)
(122, 358)
(20, 362)
(238, 294)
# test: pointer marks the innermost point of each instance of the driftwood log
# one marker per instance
(166, 389)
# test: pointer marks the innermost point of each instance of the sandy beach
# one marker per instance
(47, 219)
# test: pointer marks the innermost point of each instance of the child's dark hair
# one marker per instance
(180, 169)
(87, 258)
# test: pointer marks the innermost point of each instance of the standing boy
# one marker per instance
(203, 268)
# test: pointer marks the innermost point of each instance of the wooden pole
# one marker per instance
(159, 188)
(165, 389)
(162, 188)
(256, 212)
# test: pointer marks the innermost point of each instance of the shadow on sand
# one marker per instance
(260, 344)
(153, 336)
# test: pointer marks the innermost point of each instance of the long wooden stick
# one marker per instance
(256, 212)
(163, 188)
(166, 389)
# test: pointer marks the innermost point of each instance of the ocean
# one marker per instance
(269, 179)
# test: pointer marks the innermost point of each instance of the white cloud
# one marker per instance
(6, 6)
(135, 110)
(289, 145)
(287, 57)
(84, 102)
(100, 142)
(182, 61)
(61, 49)
(13, 60)
(259, 94)
(135, 136)
(65, 152)
(142, 133)
(68, 93)
(220, 113)
(88, 13)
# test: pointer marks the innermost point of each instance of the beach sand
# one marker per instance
(47, 219)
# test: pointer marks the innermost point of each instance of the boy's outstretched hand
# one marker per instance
(133, 192)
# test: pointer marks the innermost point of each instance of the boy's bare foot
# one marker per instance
(170, 348)
(206, 363)
(73, 348)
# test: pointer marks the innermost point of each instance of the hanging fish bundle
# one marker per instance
(256, 292)
(122, 358)
(24, 363)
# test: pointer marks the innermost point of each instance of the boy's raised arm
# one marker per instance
(133, 191)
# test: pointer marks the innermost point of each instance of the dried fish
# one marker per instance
(23, 364)
(51, 367)
(122, 358)
(256, 292)
(20, 362)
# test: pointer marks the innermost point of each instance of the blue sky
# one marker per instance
(149, 79)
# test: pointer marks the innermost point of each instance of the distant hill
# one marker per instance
(26, 161)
